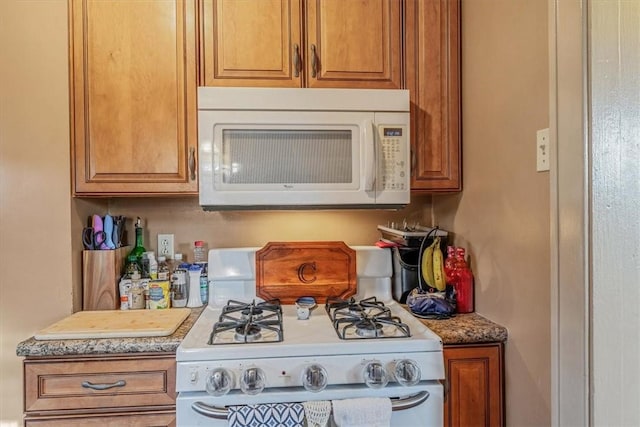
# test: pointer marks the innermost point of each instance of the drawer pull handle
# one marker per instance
(87, 384)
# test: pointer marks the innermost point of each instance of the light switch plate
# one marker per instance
(543, 150)
(165, 245)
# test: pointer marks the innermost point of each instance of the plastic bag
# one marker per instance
(432, 305)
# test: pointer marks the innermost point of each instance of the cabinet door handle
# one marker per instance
(314, 61)
(296, 60)
(192, 163)
(87, 384)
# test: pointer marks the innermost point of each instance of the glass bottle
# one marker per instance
(138, 249)
(153, 265)
(179, 292)
(199, 251)
(131, 268)
(204, 284)
(463, 283)
(163, 268)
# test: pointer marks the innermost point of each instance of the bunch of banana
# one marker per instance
(433, 266)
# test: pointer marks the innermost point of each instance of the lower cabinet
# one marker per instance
(105, 390)
(474, 385)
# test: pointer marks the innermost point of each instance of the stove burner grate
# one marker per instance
(367, 318)
(247, 321)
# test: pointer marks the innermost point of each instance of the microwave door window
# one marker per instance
(278, 157)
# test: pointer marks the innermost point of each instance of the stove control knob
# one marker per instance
(407, 372)
(314, 378)
(252, 380)
(219, 382)
(375, 376)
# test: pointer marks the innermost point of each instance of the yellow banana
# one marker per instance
(438, 266)
(427, 266)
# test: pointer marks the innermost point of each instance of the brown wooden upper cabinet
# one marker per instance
(298, 43)
(432, 75)
(133, 85)
(135, 67)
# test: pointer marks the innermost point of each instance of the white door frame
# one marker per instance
(595, 212)
(569, 214)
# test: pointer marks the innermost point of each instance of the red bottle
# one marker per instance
(449, 265)
(463, 282)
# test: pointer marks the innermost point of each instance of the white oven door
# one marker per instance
(419, 405)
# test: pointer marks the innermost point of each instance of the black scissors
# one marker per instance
(92, 239)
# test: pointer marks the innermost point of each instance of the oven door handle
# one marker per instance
(210, 411)
(400, 404)
(397, 404)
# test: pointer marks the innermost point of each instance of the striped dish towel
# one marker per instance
(267, 415)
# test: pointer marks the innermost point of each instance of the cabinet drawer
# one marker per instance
(156, 418)
(86, 384)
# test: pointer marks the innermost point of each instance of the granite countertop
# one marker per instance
(67, 347)
(470, 328)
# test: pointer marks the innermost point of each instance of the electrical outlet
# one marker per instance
(165, 245)
(542, 150)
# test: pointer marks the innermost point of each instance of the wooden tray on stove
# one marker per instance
(290, 270)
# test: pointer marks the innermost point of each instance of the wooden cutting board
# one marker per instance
(290, 270)
(115, 324)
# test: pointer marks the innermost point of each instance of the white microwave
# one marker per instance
(268, 148)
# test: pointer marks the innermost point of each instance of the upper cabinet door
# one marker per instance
(133, 96)
(432, 49)
(354, 43)
(251, 43)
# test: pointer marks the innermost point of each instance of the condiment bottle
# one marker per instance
(153, 265)
(163, 268)
(463, 283)
(138, 249)
(449, 265)
(131, 267)
(204, 284)
(179, 291)
(199, 251)
(136, 293)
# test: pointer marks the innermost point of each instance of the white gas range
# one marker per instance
(264, 352)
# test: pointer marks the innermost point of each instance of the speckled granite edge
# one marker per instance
(169, 344)
(469, 328)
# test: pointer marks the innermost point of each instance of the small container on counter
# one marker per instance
(159, 294)
(179, 292)
(194, 299)
(163, 268)
(204, 283)
(200, 252)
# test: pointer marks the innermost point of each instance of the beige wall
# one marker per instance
(35, 236)
(502, 215)
(503, 211)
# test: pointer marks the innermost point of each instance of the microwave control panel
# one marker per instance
(394, 157)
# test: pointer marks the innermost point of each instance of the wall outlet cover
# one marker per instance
(543, 149)
(165, 245)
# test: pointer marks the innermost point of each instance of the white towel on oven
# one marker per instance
(267, 414)
(362, 412)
